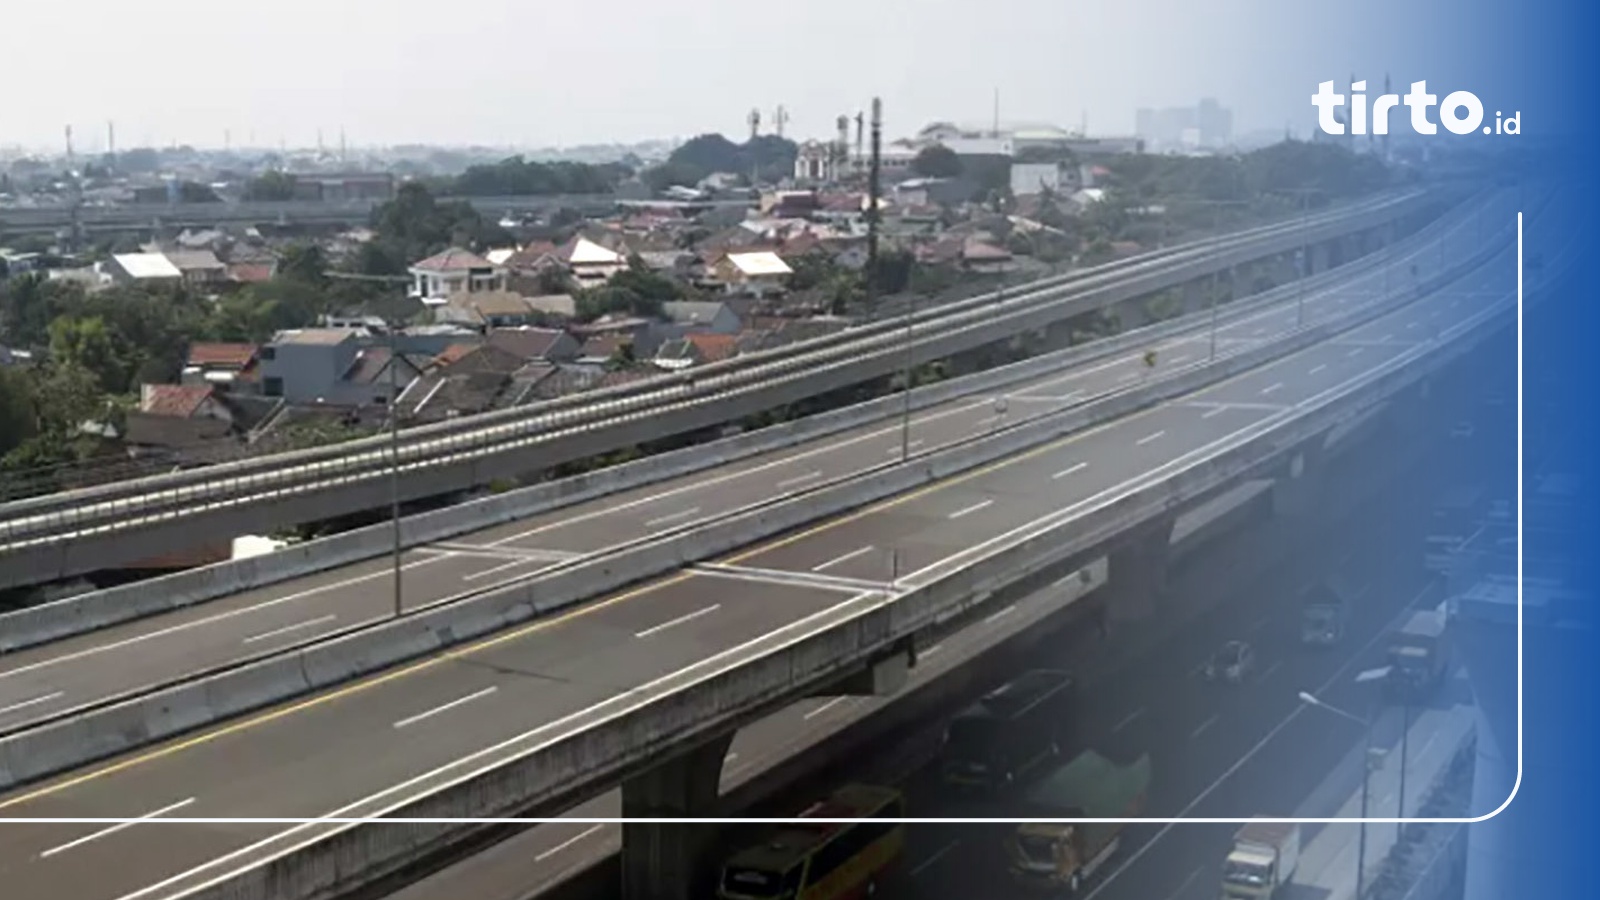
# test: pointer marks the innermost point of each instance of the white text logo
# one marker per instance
(1461, 112)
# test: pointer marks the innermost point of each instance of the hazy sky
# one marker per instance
(543, 72)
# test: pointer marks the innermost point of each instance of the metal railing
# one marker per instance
(834, 360)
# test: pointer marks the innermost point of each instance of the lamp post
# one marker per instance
(905, 406)
(393, 335)
(1367, 765)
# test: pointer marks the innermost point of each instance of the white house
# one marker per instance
(455, 271)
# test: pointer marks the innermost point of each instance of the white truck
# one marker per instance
(1262, 861)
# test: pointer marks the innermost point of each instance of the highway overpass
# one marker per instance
(61, 535)
(672, 645)
(174, 216)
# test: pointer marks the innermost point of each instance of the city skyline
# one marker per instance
(389, 77)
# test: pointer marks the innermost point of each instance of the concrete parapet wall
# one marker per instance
(101, 609)
(547, 766)
(460, 455)
(118, 727)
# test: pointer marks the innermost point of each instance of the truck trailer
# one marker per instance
(1066, 854)
(1262, 861)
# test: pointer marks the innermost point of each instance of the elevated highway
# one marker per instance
(44, 679)
(78, 531)
(156, 216)
(575, 679)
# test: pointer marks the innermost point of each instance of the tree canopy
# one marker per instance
(516, 177)
(937, 161)
(767, 156)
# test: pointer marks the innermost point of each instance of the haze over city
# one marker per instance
(542, 74)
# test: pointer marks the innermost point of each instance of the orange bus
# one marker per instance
(823, 861)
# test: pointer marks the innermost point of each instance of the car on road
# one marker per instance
(1233, 663)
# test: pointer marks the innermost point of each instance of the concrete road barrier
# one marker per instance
(124, 725)
(101, 609)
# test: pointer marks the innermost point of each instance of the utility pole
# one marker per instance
(393, 333)
(873, 192)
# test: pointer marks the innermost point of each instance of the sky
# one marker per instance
(548, 73)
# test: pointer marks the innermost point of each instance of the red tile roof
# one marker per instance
(453, 353)
(250, 273)
(177, 400)
(236, 356)
(713, 347)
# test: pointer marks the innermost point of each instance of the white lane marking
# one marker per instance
(673, 517)
(459, 701)
(824, 708)
(971, 509)
(1200, 870)
(1318, 368)
(1385, 338)
(931, 651)
(996, 616)
(842, 559)
(791, 482)
(1129, 719)
(1272, 388)
(276, 632)
(567, 843)
(24, 704)
(895, 450)
(1075, 467)
(1270, 669)
(1214, 411)
(208, 620)
(1178, 359)
(679, 620)
(115, 828)
(1412, 324)
(1150, 437)
(473, 576)
(1357, 351)
(1127, 378)
(1130, 859)
(938, 855)
(743, 473)
(1260, 623)
(1202, 728)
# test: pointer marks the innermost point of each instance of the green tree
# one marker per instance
(305, 263)
(937, 161)
(270, 187)
(18, 419)
(88, 345)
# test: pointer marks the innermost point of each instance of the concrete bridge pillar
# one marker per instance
(1322, 257)
(672, 862)
(1297, 489)
(1137, 576)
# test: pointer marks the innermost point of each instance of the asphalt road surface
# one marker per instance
(54, 678)
(318, 755)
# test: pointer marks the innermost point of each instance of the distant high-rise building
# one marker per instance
(1208, 124)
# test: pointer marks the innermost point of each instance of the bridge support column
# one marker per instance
(1322, 257)
(884, 678)
(1137, 577)
(1297, 489)
(671, 862)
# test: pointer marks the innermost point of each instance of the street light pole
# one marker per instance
(394, 427)
(1305, 258)
(1405, 743)
(394, 460)
(905, 411)
(1366, 783)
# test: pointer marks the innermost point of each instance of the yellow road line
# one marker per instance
(544, 624)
